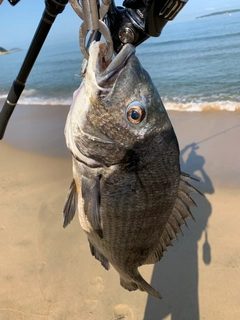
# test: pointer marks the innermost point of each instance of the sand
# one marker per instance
(47, 272)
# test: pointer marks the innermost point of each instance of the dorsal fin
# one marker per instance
(91, 197)
(180, 212)
(70, 205)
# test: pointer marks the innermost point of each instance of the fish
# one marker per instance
(127, 189)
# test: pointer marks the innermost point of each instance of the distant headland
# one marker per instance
(4, 51)
(218, 13)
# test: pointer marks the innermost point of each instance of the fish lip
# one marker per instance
(114, 67)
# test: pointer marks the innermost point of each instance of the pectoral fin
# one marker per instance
(70, 205)
(91, 197)
(99, 256)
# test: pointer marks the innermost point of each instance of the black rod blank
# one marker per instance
(52, 9)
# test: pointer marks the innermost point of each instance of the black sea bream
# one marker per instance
(127, 188)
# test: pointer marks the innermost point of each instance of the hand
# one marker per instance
(193, 145)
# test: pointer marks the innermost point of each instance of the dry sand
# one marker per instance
(47, 272)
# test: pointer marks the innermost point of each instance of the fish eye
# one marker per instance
(135, 112)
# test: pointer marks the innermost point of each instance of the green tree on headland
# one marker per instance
(2, 50)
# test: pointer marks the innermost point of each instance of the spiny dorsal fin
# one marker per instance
(175, 225)
(177, 215)
(186, 178)
(70, 205)
(183, 208)
(180, 212)
(91, 197)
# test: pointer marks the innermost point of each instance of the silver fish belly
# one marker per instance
(127, 188)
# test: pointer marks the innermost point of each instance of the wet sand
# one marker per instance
(47, 272)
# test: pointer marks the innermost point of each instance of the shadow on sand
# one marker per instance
(176, 276)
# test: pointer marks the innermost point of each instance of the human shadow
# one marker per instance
(176, 275)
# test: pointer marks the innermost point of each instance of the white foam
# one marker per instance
(28, 92)
(203, 106)
(44, 101)
(29, 97)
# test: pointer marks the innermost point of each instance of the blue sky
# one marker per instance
(18, 24)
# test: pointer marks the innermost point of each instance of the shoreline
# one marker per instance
(40, 129)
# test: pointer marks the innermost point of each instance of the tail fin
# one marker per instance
(137, 282)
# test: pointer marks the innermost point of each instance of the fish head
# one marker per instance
(117, 109)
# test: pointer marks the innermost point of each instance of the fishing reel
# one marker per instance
(138, 20)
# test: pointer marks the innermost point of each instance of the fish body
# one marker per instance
(127, 188)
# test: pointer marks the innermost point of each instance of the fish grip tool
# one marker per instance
(93, 16)
(52, 9)
(134, 22)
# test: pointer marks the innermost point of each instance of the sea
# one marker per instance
(195, 66)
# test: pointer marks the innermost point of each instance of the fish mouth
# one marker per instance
(106, 72)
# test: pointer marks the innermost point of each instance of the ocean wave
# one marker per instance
(45, 101)
(184, 103)
(176, 106)
(28, 97)
(203, 106)
(29, 92)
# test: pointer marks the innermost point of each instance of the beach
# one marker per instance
(47, 272)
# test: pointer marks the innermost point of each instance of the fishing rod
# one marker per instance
(52, 9)
(217, 134)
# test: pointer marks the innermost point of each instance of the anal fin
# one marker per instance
(137, 282)
(70, 205)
